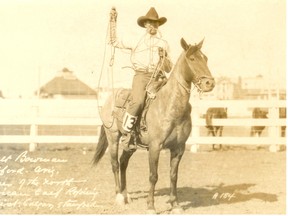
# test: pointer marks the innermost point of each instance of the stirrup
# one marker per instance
(126, 143)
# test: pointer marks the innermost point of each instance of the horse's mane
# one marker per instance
(171, 77)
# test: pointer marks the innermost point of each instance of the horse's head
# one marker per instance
(197, 65)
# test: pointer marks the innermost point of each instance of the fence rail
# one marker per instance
(37, 112)
(273, 122)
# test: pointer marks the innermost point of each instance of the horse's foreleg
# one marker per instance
(154, 151)
(124, 159)
(208, 132)
(175, 159)
(221, 131)
(214, 131)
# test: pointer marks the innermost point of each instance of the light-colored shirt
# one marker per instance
(145, 55)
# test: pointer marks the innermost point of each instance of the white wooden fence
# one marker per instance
(36, 112)
(273, 122)
(48, 112)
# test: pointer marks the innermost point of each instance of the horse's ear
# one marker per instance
(199, 45)
(184, 45)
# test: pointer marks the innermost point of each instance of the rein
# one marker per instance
(187, 89)
(196, 83)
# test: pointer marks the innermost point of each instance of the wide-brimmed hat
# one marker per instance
(151, 15)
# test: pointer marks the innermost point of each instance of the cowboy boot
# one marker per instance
(128, 123)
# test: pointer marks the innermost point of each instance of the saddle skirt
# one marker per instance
(122, 100)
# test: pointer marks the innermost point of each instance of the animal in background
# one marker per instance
(282, 114)
(258, 113)
(215, 130)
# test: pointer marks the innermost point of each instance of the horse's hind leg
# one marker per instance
(220, 135)
(252, 131)
(175, 158)
(214, 133)
(124, 160)
(113, 139)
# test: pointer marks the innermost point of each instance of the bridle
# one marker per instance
(196, 83)
(187, 89)
(196, 80)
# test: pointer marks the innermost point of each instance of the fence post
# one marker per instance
(274, 130)
(33, 127)
(195, 128)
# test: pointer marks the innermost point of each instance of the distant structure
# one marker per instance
(1, 95)
(259, 88)
(66, 85)
(244, 88)
(226, 89)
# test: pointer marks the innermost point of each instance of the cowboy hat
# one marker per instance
(151, 15)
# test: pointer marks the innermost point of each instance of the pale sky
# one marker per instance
(40, 37)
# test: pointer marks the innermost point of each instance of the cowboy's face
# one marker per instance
(151, 26)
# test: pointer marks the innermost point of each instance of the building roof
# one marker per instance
(66, 83)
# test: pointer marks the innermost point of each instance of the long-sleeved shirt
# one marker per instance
(145, 55)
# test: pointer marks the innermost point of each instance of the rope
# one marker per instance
(154, 75)
(112, 77)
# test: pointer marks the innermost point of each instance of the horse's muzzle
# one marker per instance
(207, 84)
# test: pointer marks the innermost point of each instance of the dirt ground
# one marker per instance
(62, 180)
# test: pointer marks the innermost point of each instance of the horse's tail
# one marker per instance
(101, 146)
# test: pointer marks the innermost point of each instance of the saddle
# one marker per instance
(122, 100)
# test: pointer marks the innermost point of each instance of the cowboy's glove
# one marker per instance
(162, 52)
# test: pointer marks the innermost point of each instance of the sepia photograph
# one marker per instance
(143, 107)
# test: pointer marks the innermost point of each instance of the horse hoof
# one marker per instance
(177, 210)
(128, 199)
(120, 200)
(151, 211)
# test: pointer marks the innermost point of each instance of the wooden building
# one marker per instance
(66, 85)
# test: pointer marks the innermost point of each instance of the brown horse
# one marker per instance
(262, 113)
(168, 124)
(282, 114)
(212, 113)
(258, 113)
